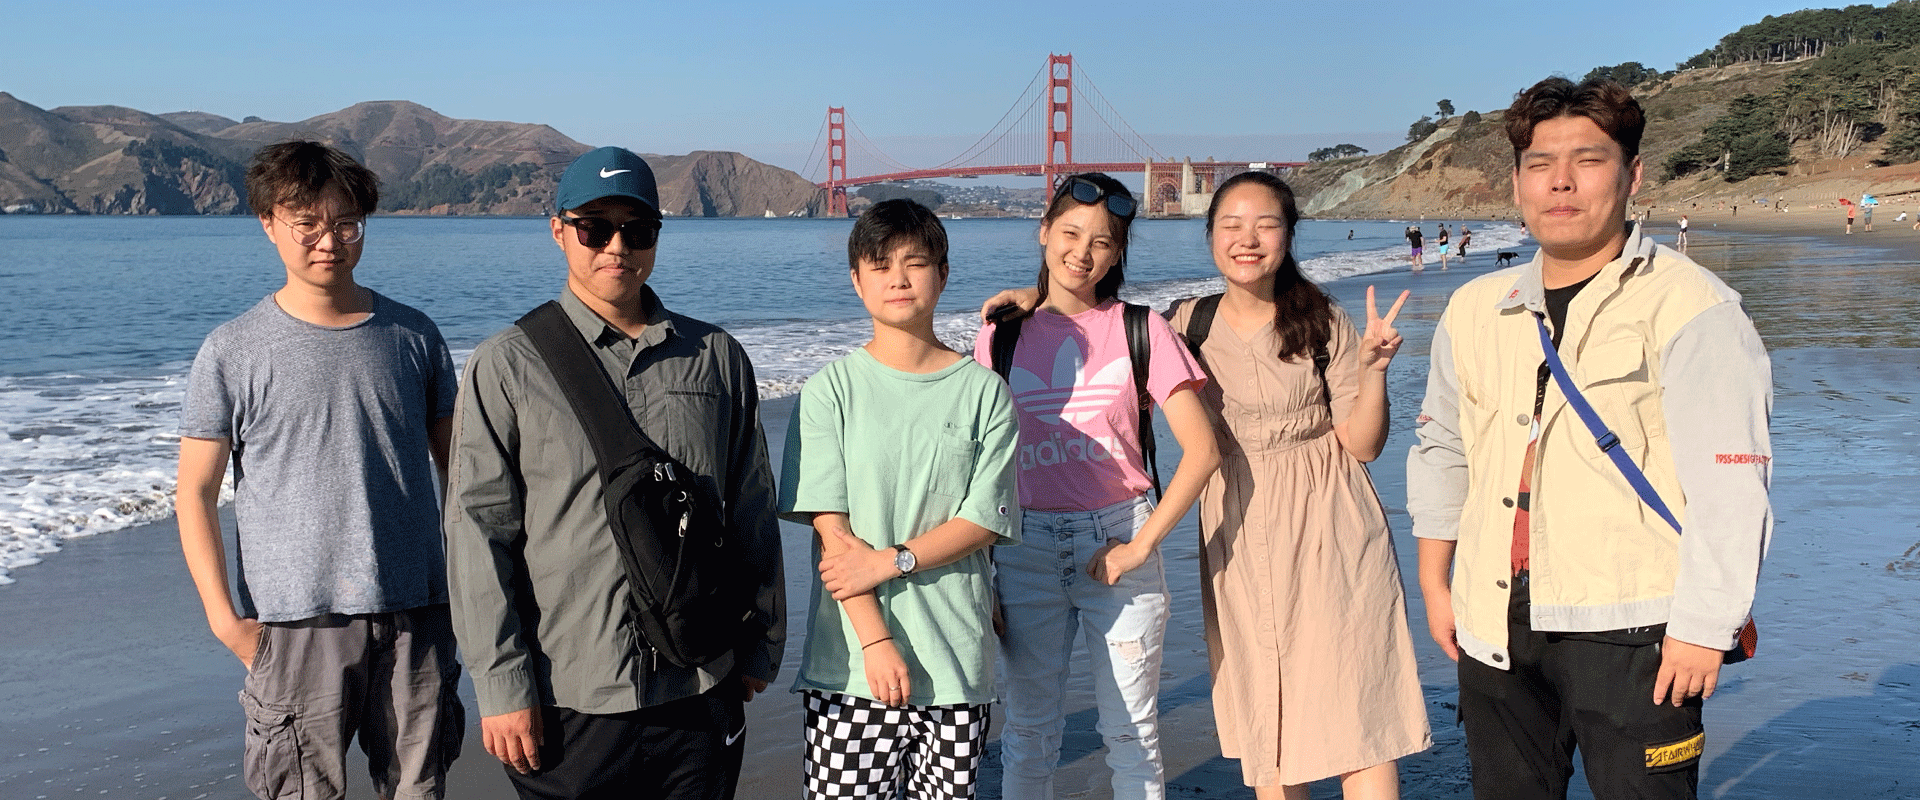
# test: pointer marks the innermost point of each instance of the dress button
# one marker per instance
(1501, 584)
(1497, 658)
(1522, 419)
(1506, 501)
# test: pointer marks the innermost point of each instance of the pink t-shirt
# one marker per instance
(1079, 426)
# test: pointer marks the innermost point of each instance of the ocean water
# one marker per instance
(109, 311)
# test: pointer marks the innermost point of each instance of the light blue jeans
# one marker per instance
(1047, 598)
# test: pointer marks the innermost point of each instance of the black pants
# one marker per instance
(688, 749)
(1563, 693)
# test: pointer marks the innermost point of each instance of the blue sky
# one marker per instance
(1233, 80)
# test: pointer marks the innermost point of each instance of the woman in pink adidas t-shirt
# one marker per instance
(1090, 563)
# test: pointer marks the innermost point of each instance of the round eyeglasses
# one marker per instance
(307, 232)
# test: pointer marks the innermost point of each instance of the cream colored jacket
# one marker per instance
(1663, 351)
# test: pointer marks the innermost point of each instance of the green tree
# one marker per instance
(1746, 139)
(1336, 151)
(1446, 108)
(1629, 74)
(1421, 129)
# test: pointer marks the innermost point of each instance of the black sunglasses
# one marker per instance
(1088, 192)
(595, 232)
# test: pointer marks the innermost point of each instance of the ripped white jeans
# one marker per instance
(1047, 597)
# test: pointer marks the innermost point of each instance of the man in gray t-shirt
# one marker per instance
(334, 405)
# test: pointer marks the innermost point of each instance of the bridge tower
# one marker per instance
(836, 161)
(1059, 116)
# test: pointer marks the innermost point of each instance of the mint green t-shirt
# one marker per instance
(901, 453)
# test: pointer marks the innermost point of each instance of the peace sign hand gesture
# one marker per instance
(1380, 341)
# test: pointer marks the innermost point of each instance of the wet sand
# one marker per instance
(112, 686)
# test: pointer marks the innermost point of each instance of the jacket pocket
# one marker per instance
(1616, 379)
(272, 749)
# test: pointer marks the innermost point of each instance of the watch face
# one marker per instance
(904, 560)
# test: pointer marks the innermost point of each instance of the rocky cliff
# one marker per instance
(112, 160)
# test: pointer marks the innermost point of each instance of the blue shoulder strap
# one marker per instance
(1608, 442)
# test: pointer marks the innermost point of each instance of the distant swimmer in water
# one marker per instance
(1349, 234)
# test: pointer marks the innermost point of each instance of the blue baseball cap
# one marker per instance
(607, 172)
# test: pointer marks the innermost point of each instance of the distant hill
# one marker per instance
(113, 160)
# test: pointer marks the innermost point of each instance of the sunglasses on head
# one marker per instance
(1088, 192)
(596, 232)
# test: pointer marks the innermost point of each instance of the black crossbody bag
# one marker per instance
(688, 592)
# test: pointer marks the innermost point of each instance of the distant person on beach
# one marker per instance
(1296, 557)
(1466, 238)
(1867, 204)
(1850, 213)
(577, 697)
(334, 404)
(1680, 242)
(1413, 239)
(1089, 565)
(902, 457)
(1441, 240)
(1581, 618)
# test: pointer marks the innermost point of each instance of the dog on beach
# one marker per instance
(1505, 259)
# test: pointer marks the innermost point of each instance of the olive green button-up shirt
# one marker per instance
(538, 590)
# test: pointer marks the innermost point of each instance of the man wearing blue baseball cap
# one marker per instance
(578, 696)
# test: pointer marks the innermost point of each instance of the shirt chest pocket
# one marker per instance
(953, 458)
(1617, 378)
(689, 420)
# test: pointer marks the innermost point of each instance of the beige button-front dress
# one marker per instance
(1313, 670)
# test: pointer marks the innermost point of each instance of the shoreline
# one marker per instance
(117, 689)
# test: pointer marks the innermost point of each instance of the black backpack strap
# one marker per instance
(1006, 335)
(601, 409)
(1200, 323)
(1140, 352)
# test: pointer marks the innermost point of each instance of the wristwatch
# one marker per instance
(904, 560)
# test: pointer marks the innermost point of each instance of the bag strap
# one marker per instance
(1602, 436)
(1006, 336)
(600, 407)
(1200, 322)
(1140, 352)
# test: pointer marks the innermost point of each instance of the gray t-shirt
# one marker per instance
(333, 479)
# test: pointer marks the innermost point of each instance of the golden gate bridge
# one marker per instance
(1035, 137)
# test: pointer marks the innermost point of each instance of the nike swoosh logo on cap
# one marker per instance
(606, 173)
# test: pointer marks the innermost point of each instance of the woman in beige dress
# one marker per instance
(1313, 670)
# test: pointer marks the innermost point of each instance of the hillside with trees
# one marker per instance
(1774, 104)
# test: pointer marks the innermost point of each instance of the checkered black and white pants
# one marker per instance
(863, 748)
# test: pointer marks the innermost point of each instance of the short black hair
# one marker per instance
(890, 223)
(293, 174)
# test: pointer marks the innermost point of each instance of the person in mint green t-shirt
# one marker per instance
(901, 456)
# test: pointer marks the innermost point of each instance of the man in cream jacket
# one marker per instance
(1587, 620)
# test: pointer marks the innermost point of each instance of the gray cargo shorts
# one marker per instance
(391, 678)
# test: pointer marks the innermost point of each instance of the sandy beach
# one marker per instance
(114, 688)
